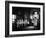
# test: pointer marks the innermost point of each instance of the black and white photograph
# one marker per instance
(24, 18)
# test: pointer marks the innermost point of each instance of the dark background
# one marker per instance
(20, 11)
